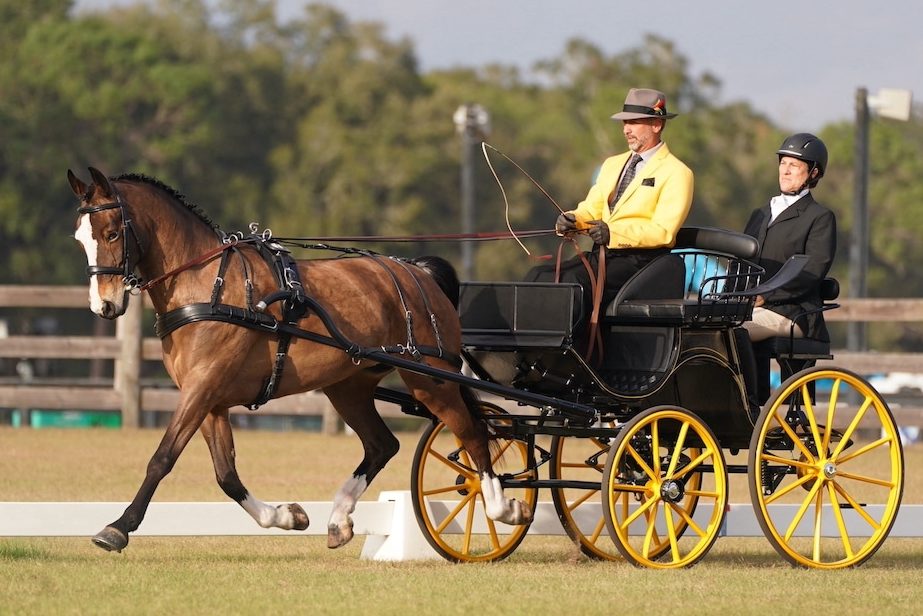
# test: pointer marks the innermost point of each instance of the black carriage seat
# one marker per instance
(689, 286)
(794, 354)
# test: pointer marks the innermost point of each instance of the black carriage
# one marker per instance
(637, 446)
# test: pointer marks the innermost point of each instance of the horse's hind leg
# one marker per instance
(354, 400)
(216, 428)
(460, 415)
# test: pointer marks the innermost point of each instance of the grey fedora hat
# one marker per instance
(644, 103)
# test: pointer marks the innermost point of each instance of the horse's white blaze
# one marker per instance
(269, 516)
(344, 503)
(84, 235)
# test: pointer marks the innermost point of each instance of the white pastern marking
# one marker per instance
(500, 508)
(344, 503)
(269, 516)
(84, 235)
(494, 503)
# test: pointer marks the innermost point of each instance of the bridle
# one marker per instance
(125, 268)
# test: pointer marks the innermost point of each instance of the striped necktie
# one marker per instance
(626, 179)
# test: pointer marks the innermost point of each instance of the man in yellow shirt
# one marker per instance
(636, 206)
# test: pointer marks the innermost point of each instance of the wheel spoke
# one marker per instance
(809, 413)
(678, 448)
(444, 490)
(469, 526)
(768, 457)
(647, 469)
(865, 479)
(840, 522)
(785, 490)
(794, 437)
(492, 531)
(703, 493)
(688, 519)
(831, 411)
(650, 533)
(455, 466)
(847, 435)
(597, 531)
(582, 499)
(707, 453)
(671, 534)
(818, 514)
(856, 506)
(450, 517)
(887, 440)
(642, 509)
(799, 515)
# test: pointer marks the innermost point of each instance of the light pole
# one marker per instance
(472, 122)
(889, 103)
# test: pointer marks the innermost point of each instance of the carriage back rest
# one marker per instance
(662, 278)
(709, 239)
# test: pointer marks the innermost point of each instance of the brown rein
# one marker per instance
(211, 254)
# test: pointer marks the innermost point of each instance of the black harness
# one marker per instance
(296, 305)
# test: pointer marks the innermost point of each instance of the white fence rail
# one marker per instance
(388, 525)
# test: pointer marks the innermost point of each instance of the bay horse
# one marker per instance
(133, 225)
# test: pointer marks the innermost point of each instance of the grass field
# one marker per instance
(546, 575)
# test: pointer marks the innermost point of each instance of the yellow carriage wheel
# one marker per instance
(578, 508)
(447, 498)
(665, 466)
(826, 470)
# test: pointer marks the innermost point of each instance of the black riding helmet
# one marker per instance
(808, 148)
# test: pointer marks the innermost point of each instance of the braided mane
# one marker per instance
(146, 179)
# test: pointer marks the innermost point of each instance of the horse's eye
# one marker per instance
(113, 235)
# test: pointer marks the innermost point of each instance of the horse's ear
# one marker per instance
(103, 187)
(77, 185)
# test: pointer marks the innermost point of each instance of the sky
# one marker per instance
(800, 63)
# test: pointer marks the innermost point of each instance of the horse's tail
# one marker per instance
(443, 273)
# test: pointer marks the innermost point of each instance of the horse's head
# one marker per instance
(105, 231)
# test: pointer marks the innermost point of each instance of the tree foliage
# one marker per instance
(322, 127)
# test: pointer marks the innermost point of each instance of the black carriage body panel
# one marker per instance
(518, 335)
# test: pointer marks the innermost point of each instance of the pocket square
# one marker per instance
(647, 182)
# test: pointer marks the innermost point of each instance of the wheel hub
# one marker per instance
(671, 490)
(829, 470)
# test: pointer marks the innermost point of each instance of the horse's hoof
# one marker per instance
(338, 536)
(111, 539)
(299, 517)
(525, 514)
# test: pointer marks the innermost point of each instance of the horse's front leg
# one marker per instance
(183, 425)
(216, 428)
